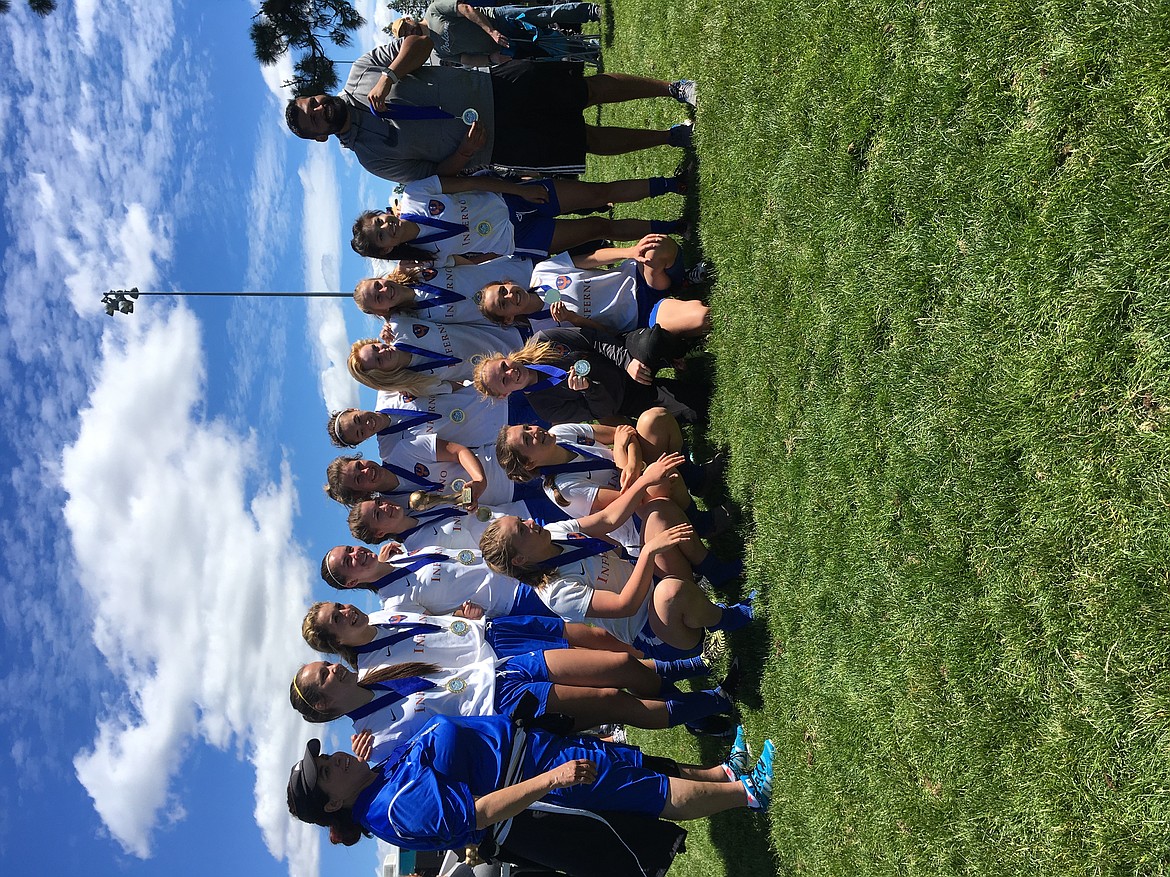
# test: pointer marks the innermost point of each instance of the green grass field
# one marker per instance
(942, 357)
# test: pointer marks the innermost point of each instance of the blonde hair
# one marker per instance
(398, 380)
(499, 554)
(403, 276)
(532, 353)
(304, 698)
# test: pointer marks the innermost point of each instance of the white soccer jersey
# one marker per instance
(580, 488)
(485, 215)
(607, 296)
(443, 586)
(463, 531)
(570, 594)
(465, 417)
(467, 281)
(418, 453)
(466, 343)
(464, 686)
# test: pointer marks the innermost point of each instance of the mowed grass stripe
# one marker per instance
(942, 369)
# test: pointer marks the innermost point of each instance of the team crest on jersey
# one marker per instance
(406, 397)
(561, 349)
(396, 619)
(587, 442)
(466, 557)
(457, 415)
(575, 536)
(421, 471)
(563, 281)
(434, 207)
(419, 329)
(427, 273)
(456, 686)
(483, 229)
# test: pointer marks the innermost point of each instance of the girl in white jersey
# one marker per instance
(467, 667)
(448, 219)
(441, 295)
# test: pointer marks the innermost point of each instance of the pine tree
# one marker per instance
(284, 25)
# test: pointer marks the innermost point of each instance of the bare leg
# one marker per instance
(596, 706)
(682, 558)
(578, 195)
(714, 774)
(679, 612)
(688, 799)
(586, 636)
(567, 233)
(684, 317)
(614, 88)
(588, 668)
(618, 141)
(659, 257)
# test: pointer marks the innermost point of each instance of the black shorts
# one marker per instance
(538, 107)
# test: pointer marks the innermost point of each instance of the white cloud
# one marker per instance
(321, 239)
(196, 589)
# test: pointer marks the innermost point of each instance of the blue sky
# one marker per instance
(161, 491)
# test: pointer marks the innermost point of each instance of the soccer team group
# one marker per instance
(538, 551)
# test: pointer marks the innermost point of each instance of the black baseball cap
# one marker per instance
(305, 801)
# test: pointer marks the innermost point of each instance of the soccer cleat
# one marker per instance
(761, 778)
(739, 760)
(702, 272)
(714, 648)
(685, 91)
(720, 727)
(730, 684)
(679, 135)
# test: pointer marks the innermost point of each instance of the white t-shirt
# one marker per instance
(465, 685)
(418, 454)
(443, 586)
(580, 488)
(465, 342)
(467, 280)
(489, 224)
(570, 594)
(461, 532)
(607, 296)
(466, 418)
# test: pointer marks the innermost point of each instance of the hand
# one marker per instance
(572, 773)
(387, 333)
(410, 264)
(668, 538)
(389, 551)
(362, 744)
(639, 372)
(577, 382)
(647, 248)
(562, 313)
(480, 258)
(474, 140)
(532, 194)
(663, 468)
(470, 611)
(500, 39)
(379, 93)
(478, 486)
(629, 475)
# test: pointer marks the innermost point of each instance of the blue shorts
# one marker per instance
(526, 602)
(521, 675)
(533, 224)
(520, 634)
(649, 299)
(622, 782)
(652, 647)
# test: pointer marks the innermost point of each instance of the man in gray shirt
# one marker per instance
(528, 114)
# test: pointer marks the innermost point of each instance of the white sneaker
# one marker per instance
(685, 91)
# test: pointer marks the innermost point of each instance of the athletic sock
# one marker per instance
(686, 668)
(717, 570)
(662, 185)
(665, 226)
(693, 476)
(734, 617)
(687, 706)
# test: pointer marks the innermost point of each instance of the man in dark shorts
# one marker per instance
(407, 122)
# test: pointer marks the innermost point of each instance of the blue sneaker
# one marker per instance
(740, 758)
(680, 135)
(759, 784)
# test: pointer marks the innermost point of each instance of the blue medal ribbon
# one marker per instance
(434, 361)
(409, 113)
(581, 548)
(423, 483)
(555, 376)
(430, 296)
(593, 463)
(396, 690)
(444, 229)
(409, 419)
(396, 634)
(417, 561)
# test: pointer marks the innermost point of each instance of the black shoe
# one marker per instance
(720, 727)
(730, 683)
(702, 272)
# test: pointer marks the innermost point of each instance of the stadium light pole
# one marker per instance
(121, 301)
